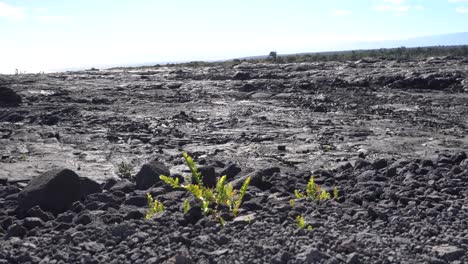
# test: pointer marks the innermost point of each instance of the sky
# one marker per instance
(53, 35)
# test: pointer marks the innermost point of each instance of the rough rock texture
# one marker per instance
(149, 174)
(390, 135)
(53, 191)
(8, 97)
(415, 214)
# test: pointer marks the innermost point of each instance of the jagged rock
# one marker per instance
(32, 222)
(208, 176)
(8, 97)
(449, 253)
(88, 186)
(231, 171)
(124, 186)
(16, 230)
(53, 191)
(149, 174)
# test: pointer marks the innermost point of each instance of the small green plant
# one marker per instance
(154, 207)
(23, 157)
(210, 198)
(335, 193)
(292, 202)
(186, 206)
(300, 222)
(125, 169)
(314, 192)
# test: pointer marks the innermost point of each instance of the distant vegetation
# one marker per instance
(401, 53)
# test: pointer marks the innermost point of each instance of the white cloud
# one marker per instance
(341, 12)
(11, 12)
(458, 1)
(462, 10)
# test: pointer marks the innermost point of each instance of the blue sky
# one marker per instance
(45, 35)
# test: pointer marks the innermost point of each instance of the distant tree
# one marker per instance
(273, 55)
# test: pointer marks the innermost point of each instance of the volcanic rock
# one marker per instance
(88, 186)
(8, 97)
(53, 191)
(149, 174)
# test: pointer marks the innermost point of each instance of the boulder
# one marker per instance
(88, 186)
(149, 174)
(54, 191)
(208, 176)
(8, 97)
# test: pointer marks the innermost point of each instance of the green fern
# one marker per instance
(312, 188)
(300, 222)
(298, 194)
(335, 193)
(193, 168)
(174, 182)
(324, 195)
(313, 192)
(242, 191)
(154, 207)
(222, 194)
(186, 206)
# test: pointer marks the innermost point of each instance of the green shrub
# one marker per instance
(210, 198)
(314, 192)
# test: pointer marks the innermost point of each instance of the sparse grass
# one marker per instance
(125, 170)
(211, 199)
(23, 157)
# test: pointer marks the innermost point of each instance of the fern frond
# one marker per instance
(335, 193)
(221, 195)
(174, 182)
(311, 188)
(300, 222)
(242, 191)
(298, 194)
(195, 190)
(324, 195)
(186, 206)
(154, 207)
(193, 168)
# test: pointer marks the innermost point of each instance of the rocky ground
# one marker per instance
(390, 135)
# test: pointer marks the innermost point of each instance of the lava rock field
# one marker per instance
(390, 135)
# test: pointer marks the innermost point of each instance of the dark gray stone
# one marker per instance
(16, 230)
(32, 222)
(53, 191)
(208, 176)
(83, 219)
(36, 211)
(136, 201)
(8, 97)
(88, 186)
(149, 174)
(231, 171)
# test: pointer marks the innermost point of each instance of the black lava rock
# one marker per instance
(231, 171)
(88, 186)
(149, 174)
(53, 191)
(8, 97)
(208, 176)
